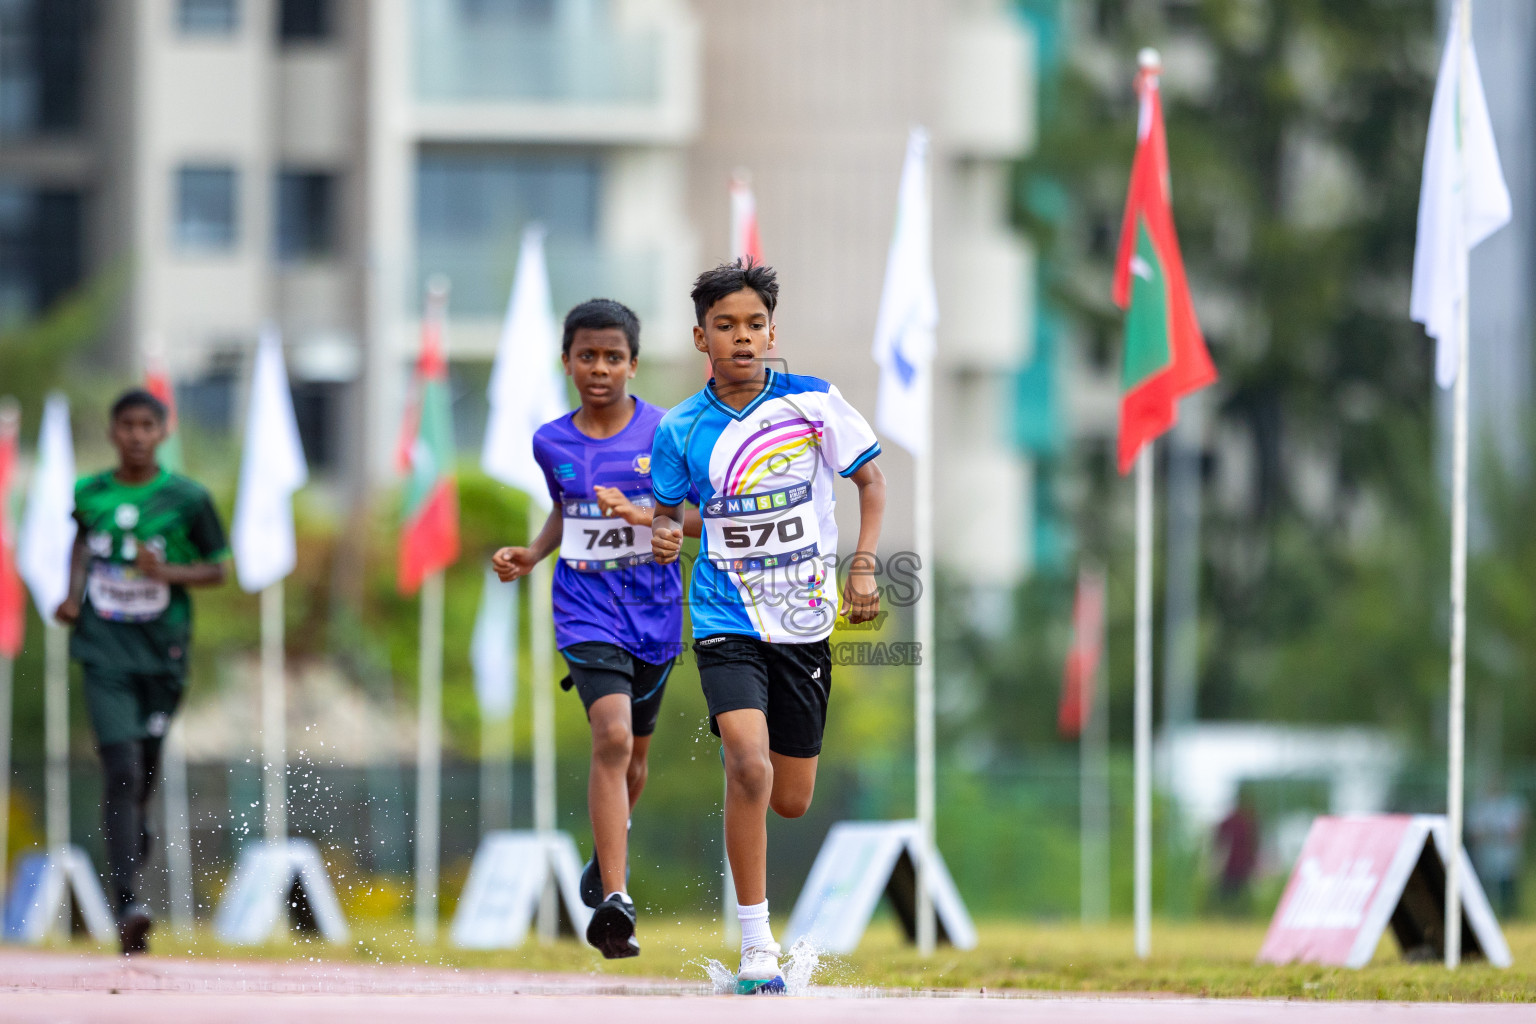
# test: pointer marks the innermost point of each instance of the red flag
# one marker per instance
(12, 599)
(1165, 355)
(1083, 659)
(430, 541)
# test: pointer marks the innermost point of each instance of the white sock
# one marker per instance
(621, 892)
(755, 930)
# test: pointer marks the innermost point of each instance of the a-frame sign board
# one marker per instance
(277, 884)
(41, 892)
(861, 861)
(506, 883)
(1359, 875)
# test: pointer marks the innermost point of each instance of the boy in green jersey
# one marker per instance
(144, 536)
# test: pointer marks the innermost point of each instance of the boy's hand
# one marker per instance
(68, 613)
(615, 502)
(512, 563)
(861, 594)
(149, 563)
(666, 540)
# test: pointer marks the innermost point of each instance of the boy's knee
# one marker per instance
(749, 771)
(791, 805)
(612, 742)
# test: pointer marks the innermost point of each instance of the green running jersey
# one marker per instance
(129, 623)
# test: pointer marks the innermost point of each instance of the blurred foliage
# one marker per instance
(1296, 134)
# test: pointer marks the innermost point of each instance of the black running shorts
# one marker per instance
(598, 669)
(788, 683)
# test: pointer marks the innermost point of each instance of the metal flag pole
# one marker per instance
(429, 756)
(178, 831)
(922, 514)
(7, 677)
(1143, 738)
(542, 623)
(1456, 730)
(56, 733)
(274, 742)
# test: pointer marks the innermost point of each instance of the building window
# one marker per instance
(306, 215)
(208, 17)
(472, 205)
(41, 249)
(205, 208)
(305, 21)
(42, 57)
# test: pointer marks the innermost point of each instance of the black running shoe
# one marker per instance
(612, 928)
(592, 883)
(133, 926)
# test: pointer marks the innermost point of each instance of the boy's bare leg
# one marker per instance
(639, 769)
(794, 783)
(609, 792)
(748, 789)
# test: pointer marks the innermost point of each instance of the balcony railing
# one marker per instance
(467, 52)
(482, 280)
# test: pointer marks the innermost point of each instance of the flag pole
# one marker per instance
(1093, 785)
(543, 723)
(1143, 736)
(1456, 755)
(922, 514)
(56, 731)
(7, 677)
(429, 755)
(273, 715)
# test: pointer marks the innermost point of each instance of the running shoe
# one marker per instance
(592, 881)
(759, 974)
(133, 926)
(612, 928)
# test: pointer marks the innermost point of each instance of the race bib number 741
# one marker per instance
(593, 542)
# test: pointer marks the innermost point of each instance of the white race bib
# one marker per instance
(751, 533)
(593, 542)
(119, 594)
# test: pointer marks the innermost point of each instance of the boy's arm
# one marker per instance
(667, 533)
(861, 594)
(68, 613)
(512, 563)
(191, 574)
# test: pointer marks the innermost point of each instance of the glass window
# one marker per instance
(42, 57)
(305, 20)
(472, 207)
(205, 208)
(41, 248)
(306, 215)
(208, 17)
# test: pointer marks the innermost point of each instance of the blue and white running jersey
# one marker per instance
(767, 561)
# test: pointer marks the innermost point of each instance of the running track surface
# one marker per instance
(63, 987)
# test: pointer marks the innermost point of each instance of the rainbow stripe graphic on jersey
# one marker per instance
(781, 441)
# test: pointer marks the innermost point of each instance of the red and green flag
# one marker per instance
(158, 383)
(13, 602)
(430, 541)
(1165, 354)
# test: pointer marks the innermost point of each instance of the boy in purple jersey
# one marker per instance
(618, 616)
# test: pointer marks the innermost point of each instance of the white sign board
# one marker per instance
(276, 883)
(40, 893)
(506, 883)
(1358, 875)
(860, 861)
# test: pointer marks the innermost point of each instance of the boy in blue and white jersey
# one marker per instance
(762, 450)
(618, 616)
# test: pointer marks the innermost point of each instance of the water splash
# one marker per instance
(800, 967)
(722, 980)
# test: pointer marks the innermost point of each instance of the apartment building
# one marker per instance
(313, 162)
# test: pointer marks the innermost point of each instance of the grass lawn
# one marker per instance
(1207, 959)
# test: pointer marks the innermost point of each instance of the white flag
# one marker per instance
(526, 391)
(909, 311)
(493, 648)
(272, 468)
(47, 535)
(1462, 201)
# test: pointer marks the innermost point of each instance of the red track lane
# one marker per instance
(63, 987)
